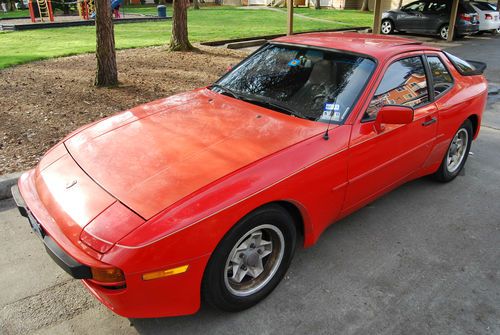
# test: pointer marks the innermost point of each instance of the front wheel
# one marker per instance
(443, 32)
(250, 260)
(387, 27)
(456, 156)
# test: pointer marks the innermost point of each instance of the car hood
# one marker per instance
(152, 156)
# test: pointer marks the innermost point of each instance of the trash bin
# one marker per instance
(162, 11)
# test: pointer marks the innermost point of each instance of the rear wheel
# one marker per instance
(443, 32)
(456, 155)
(250, 260)
(387, 27)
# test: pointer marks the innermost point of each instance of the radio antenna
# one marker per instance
(326, 137)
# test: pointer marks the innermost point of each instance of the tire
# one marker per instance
(387, 27)
(451, 166)
(237, 258)
(495, 31)
(443, 32)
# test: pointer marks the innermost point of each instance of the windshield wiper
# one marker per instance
(226, 91)
(275, 106)
(260, 102)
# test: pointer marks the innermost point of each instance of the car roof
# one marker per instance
(377, 46)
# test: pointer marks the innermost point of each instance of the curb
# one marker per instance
(6, 182)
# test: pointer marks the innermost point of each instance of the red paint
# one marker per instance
(158, 186)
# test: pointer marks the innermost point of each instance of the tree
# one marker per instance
(400, 4)
(107, 72)
(196, 4)
(317, 4)
(179, 40)
(364, 6)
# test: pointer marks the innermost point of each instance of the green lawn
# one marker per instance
(207, 24)
(14, 14)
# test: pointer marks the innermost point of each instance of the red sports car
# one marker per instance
(204, 195)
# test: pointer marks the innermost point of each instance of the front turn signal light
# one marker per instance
(107, 275)
(165, 273)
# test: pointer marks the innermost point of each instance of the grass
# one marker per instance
(14, 14)
(207, 24)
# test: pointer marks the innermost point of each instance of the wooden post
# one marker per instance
(453, 20)
(377, 16)
(289, 7)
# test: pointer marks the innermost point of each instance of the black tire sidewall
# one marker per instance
(214, 290)
(443, 174)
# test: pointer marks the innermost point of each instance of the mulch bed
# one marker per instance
(43, 101)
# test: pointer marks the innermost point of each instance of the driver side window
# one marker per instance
(404, 83)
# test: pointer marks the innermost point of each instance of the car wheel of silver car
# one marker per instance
(250, 260)
(386, 27)
(457, 153)
(443, 32)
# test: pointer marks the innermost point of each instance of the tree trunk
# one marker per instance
(107, 72)
(364, 6)
(401, 4)
(196, 4)
(317, 4)
(498, 5)
(179, 40)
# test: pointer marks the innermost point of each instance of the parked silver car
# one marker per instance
(489, 17)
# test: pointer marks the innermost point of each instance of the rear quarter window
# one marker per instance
(465, 68)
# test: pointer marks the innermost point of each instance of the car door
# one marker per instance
(410, 16)
(380, 160)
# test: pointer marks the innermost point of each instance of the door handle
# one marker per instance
(429, 122)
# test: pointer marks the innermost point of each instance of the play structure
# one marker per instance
(41, 9)
(86, 8)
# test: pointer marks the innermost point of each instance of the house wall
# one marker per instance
(356, 4)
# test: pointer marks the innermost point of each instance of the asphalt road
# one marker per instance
(424, 259)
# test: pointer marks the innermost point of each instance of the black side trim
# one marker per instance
(65, 261)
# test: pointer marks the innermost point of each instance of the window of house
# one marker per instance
(408, 73)
(441, 77)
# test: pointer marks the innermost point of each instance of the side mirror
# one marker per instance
(393, 115)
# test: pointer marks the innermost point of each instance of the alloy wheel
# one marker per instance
(457, 150)
(386, 27)
(254, 260)
(444, 32)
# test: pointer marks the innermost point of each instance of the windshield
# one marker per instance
(309, 83)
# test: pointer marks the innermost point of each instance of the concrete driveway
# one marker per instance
(424, 259)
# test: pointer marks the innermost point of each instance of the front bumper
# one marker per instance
(170, 296)
(65, 261)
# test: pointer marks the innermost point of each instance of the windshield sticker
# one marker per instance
(329, 106)
(331, 111)
(294, 62)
